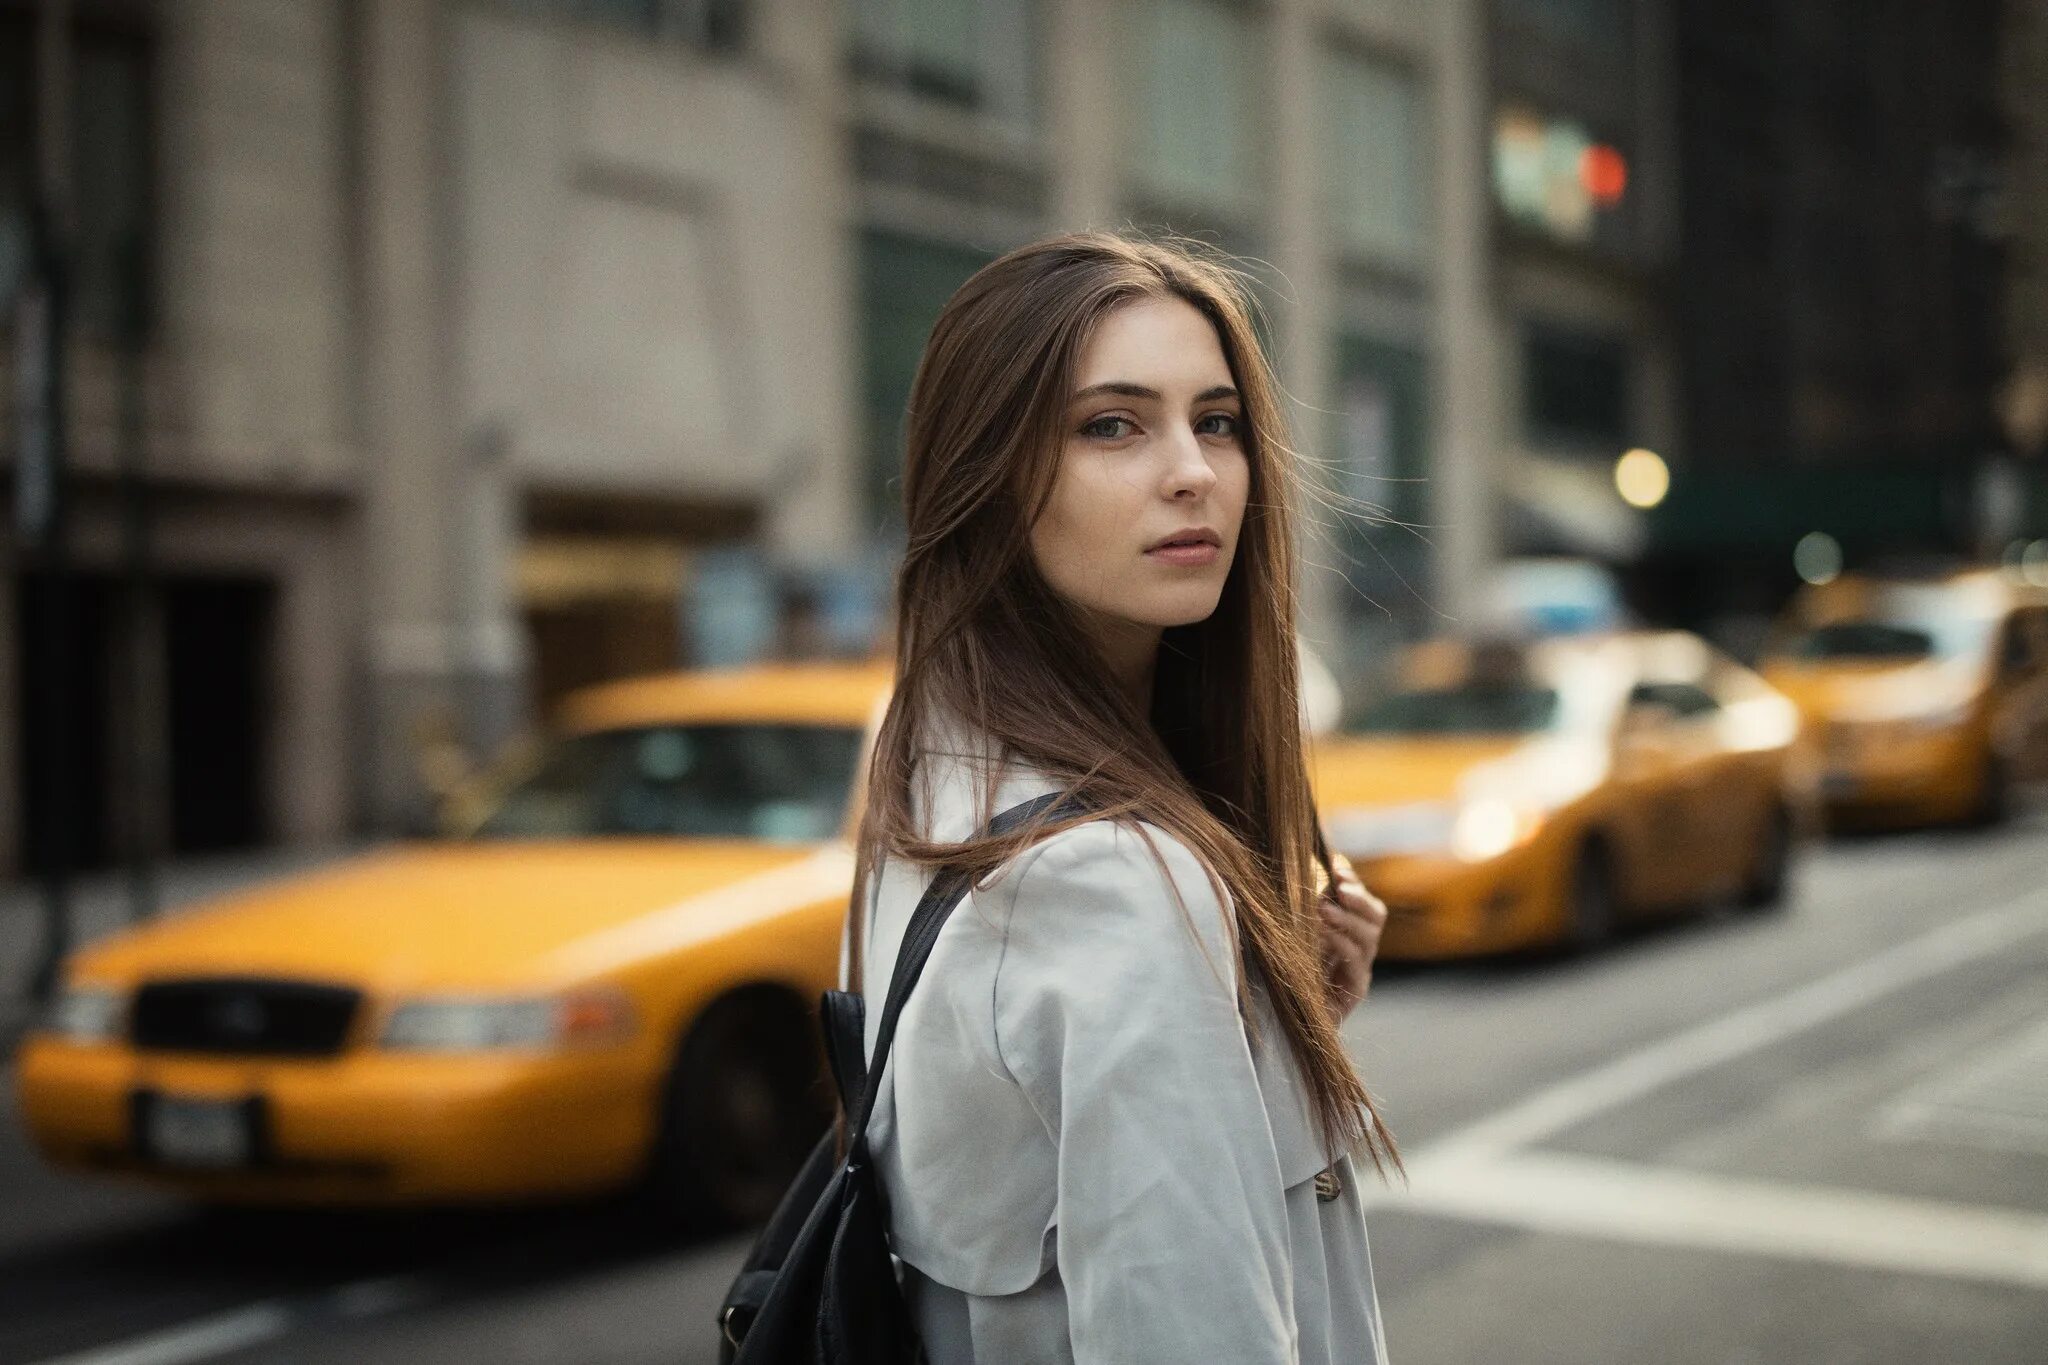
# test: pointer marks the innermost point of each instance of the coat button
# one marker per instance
(1329, 1185)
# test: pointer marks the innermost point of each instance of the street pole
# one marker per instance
(42, 333)
(40, 324)
(141, 699)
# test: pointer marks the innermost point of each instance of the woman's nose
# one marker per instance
(1190, 471)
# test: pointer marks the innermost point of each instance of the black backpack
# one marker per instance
(819, 1287)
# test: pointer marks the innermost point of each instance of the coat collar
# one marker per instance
(949, 788)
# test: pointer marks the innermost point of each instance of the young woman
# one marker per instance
(1119, 1124)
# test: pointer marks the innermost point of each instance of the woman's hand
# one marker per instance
(1352, 920)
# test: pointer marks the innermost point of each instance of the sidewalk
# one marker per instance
(99, 906)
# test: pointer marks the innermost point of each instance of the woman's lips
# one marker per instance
(1192, 556)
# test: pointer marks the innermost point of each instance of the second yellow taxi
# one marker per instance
(1925, 695)
(1505, 796)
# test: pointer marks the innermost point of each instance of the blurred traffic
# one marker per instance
(605, 975)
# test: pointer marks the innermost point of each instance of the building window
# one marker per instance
(1201, 109)
(1380, 444)
(109, 172)
(713, 25)
(976, 55)
(1596, 25)
(1382, 404)
(1575, 388)
(1374, 158)
(905, 281)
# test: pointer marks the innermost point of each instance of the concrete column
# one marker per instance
(815, 516)
(490, 637)
(409, 419)
(1466, 384)
(1085, 105)
(1302, 325)
(318, 620)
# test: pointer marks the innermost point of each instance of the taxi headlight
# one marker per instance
(1381, 831)
(87, 1014)
(496, 1023)
(1489, 827)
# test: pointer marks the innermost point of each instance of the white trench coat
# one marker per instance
(1085, 1157)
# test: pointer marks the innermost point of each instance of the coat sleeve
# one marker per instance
(1116, 1013)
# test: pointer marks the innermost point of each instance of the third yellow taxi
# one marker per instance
(1504, 795)
(1925, 696)
(610, 979)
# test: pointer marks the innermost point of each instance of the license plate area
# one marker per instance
(195, 1133)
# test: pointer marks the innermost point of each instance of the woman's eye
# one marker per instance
(1107, 428)
(1218, 424)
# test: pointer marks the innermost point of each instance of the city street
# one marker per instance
(1815, 1136)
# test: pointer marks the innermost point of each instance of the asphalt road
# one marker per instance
(1814, 1136)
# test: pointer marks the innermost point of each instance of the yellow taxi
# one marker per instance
(1925, 698)
(612, 977)
(1503, 796)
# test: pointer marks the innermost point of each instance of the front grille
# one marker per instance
(243, 1016)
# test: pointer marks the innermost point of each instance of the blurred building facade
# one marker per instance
(2022, 204)
(1585, 183)
(1840, 301)
(497, 346)
(211, 335)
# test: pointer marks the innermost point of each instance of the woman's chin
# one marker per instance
(1182, 609)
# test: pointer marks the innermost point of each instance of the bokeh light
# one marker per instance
(1818, 557)
(1642, 478)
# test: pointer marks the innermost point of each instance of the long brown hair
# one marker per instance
(980, 635)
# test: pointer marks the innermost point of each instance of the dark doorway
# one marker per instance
(63, 682)
(218, 634)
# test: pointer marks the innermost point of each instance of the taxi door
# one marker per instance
(1689, 801)
(1648, 821)
(2022, 686)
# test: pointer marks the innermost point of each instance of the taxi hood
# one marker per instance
(480, 914)
(1873, 688)
(1393, 770)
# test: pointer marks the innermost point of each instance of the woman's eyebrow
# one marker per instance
(1127, 390)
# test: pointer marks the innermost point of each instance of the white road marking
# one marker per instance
(1691, 1051)
(204, 1339)
(1596, 1197)
(240, 1328)
(1998, 1101)
(374, 1298)
(1479, 1171)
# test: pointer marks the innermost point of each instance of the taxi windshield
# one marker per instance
(1899, 637)
(779, 783)
(1471, 709)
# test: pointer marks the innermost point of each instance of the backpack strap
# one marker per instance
(844, 1021)
(948, 887)
(858, 1086)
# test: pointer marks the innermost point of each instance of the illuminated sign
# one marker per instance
(1549, 174)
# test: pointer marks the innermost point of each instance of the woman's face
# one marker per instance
(1153, 449)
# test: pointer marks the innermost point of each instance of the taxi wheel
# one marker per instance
(1994, 792)
(1594, 907)
(742, 1108)
(1768, 874)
